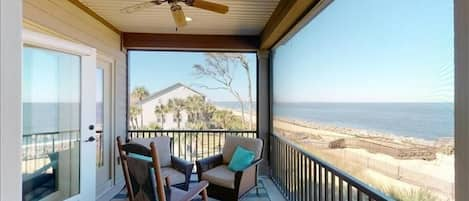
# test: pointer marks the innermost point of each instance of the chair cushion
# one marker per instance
(175, 176)
(231, 142)
(162, 145)
(220, 176)
(241, 159)
(140, 157)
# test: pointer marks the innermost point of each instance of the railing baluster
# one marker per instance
(297, 175)
(196, 147)
(349, 192)
(310, 181)
(302, 178)
(321, 193)
(341, 190)
(315, 182)
(326, 184)
(333, 187)
(288, 173)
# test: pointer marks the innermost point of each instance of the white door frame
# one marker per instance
(88, 103)
(10, 99)
(104, 58)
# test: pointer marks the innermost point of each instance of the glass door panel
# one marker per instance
(103, 128)
(51, 101)
(99, 117)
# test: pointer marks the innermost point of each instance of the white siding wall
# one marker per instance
(62, 19)
(148, 108)
(10, 100)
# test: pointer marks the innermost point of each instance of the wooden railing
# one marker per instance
(302, 176)
(192, 145)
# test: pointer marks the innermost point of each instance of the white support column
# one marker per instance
(10, 99)
(263, 106)
(461, 47)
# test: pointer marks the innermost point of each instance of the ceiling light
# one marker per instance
(188, 19)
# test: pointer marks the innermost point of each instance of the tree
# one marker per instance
(134, 111)
(139, 94)
(160, 112)
(193, 106)
(219, 68)
(224, 119)
(176, 105)
(244, 63)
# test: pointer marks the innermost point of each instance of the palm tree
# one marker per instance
(193, 106)
(176, 105)
(134, 111)
(139, 94)
(221, 118)
(161, 111)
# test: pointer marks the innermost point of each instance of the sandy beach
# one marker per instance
(377, 167)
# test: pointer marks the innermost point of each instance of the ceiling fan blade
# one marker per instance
(206, 5)
(178, 15)
(140, 6)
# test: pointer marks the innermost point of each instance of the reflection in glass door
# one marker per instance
(51, 101)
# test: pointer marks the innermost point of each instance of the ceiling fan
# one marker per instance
(176, 10)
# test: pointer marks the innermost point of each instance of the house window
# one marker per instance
(369, 87)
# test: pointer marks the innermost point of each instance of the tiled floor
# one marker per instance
(267, 192)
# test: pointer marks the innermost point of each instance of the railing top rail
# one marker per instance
(50, 133)
(375, 194)
(195, 131)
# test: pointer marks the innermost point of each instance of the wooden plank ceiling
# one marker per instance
(245, 17)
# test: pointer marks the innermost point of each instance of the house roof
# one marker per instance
(167, 90)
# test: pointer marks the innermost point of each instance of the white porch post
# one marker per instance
(10, 99)
(461, 47)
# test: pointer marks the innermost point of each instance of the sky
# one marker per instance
(156, 70)
(50, 76)
(370, 51)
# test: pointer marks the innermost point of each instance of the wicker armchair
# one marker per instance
(177, 169)
(225, 184)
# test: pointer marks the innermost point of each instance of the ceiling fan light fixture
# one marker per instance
(178, 15)
(188, 19)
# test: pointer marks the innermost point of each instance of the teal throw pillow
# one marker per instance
(241, 159)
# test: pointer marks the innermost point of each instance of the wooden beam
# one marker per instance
(287, 14)
(95, 15)
(190, 42)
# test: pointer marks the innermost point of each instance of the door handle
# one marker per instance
(90, 139)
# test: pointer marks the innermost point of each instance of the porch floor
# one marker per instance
(267, 192)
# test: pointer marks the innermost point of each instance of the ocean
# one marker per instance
(421, 120)
(429, 121)
(54, 117)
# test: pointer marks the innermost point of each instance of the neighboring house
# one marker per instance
(177, 90)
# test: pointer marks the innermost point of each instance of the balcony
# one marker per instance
(296, 174)
(67, 80)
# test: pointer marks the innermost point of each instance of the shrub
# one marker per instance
(402, 194)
